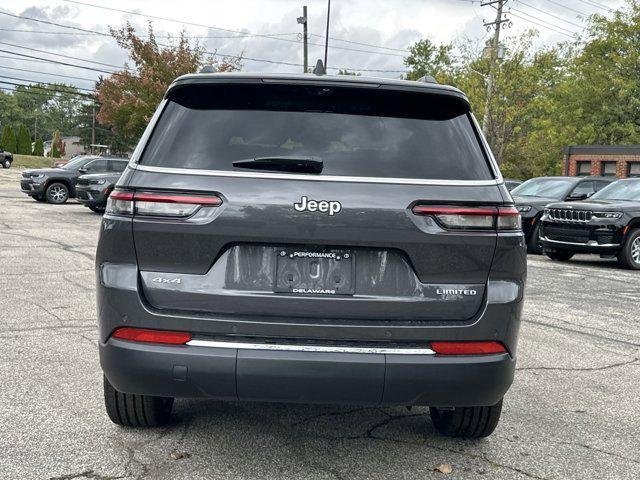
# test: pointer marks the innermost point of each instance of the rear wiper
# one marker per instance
(282, 164)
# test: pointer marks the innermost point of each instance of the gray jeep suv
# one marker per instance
(311, 239)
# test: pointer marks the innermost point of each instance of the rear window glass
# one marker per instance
(208, 134)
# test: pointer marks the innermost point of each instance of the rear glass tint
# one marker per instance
(349, 133)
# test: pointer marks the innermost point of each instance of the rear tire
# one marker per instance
(629, 256)
(466, 422)
(534, 245)
(560, 255)
(57, 193)
(6, 164)
(131, 410)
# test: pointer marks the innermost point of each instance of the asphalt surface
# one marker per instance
(572, 413)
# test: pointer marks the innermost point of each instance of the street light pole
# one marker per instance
(303, 21)
(326, 39)
(495, 45)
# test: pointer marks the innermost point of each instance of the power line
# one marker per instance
(550, 14)
(46, 83)
(54, 23)
(92, 80)
(542, 23)
(57, 62)
(596, 4)
(198, 37)
(214, 53)
(568, 8)
(61, 55)
(54, 90)
(212, 27)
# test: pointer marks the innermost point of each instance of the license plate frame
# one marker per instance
(315, 272)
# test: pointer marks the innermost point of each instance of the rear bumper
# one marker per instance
(306, 377)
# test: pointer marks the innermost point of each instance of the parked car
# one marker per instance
(511, 183)
(532, 196)
(93, 190)
(607, 224)
(57, 185)
(6, 159)
(283, 238)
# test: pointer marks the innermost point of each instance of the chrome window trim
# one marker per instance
(309, 348)
(322, 178)
(591, 243)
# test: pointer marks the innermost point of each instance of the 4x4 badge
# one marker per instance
(322, 206)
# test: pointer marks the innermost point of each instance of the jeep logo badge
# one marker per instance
(322, 206)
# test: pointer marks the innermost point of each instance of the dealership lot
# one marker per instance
(573, 411)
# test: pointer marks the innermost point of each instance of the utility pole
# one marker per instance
(495, 46)
(303, 20)
(35, 125)
(93, 126)
(326, 39)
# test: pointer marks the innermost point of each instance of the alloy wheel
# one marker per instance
(58, 194)
(635, 250)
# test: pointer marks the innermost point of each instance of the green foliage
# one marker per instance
(581, 92)
(129, 98)
(56, 143)
(425, 58)
(24, 141)
(8, 139)
(38, 147)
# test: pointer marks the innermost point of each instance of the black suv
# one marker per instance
(607, 224)
(57, 185)
(532, 196)
(311, 239)
(93, 190)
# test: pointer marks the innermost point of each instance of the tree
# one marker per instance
(426, 58)
(56, 145)
(129, 98)
(24, 141)
(38, 147)
(8, 139)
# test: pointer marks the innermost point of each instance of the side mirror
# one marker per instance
(82, 170)
(577, 196)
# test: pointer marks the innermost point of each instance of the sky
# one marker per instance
(368, 36)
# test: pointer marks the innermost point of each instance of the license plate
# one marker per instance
(308, 272)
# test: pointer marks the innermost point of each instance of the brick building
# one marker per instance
(619, 161)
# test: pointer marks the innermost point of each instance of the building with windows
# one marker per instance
(620, 161)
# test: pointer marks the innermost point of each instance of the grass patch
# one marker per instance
(29, 161)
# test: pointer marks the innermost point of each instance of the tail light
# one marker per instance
(472, 218)
(151, 336)
(467, 348)
(122, 202)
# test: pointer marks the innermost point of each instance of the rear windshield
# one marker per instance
(205, 133)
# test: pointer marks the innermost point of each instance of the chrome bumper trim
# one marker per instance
(309, 348)
(590, 243)
(306, 177)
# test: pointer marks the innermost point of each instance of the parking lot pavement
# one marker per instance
(572, 413)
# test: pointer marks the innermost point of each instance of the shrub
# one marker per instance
(24, 141)
(8, 139)
(38, 148)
